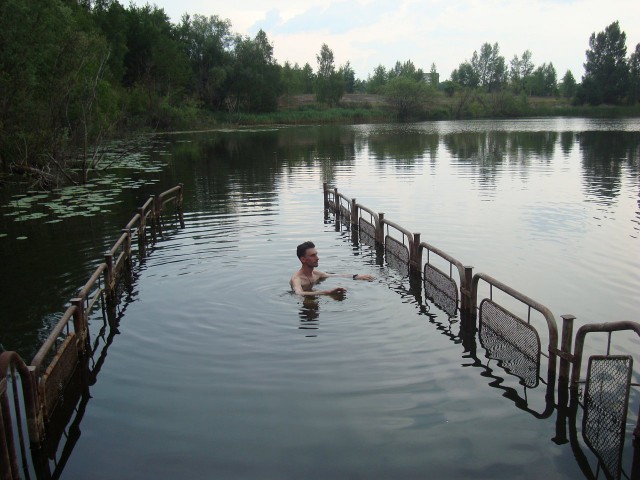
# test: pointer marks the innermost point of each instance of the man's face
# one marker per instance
(310, 257)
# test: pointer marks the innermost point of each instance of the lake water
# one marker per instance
(218, 371)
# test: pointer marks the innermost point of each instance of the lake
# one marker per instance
(216, 370)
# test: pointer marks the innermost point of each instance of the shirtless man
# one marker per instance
(303, 280)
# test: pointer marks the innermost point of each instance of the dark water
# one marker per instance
(217, 371)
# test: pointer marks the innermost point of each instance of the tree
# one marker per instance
(543, 81)
(407, 94)
(465, 76)
(489, 67)
(434, 76)
(253, 82)
(376, 82)
(349, 76)
(520, 70)
(568, 85)
(634, 76)
(606, 72)
(207, 42)
(329, 83)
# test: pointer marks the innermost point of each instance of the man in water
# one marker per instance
(303, 280)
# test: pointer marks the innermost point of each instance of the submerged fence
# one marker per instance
(45, 379)
(518, 332)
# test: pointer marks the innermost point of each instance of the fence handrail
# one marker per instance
(53, 336)
(86, 288)
(401, 229)
(30, 394)
(624, 325)
(543, 309)
(373, 214)
(454, 261)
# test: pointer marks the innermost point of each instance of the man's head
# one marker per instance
(301, 251)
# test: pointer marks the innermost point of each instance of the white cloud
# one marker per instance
(372, 32)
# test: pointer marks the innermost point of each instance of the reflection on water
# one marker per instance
(215, 372)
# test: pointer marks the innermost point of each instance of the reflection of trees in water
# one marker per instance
(606, 156)
(403, 149)
(567, 140)
(240, 164)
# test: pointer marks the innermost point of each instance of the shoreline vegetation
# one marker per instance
(367, 108)
(78, 74)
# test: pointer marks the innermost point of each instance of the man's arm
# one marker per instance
(296, 285)
(356, 276)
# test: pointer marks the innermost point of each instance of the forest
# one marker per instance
(74, 73)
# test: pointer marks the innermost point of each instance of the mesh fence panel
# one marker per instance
(511, 341)
(606, 401)
(397, 254)
(367, 232)
(441, 289)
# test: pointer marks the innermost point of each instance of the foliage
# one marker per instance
(330, 84)
(606, 71)
(568, 87)
(408, 95)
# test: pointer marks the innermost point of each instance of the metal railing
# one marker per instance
(50, 370)
(511, 339)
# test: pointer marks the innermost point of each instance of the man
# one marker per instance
(303, 280)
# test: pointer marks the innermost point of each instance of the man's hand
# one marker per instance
(335, 292)
(365, 276)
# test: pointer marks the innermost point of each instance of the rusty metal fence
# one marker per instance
(44, 380)
(520, 334)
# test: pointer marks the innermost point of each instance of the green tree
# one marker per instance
(465, 76)
(254, 79)
(606, 72)
(349, 76)
(308, 79)
(378, 80)
(489, 67)
(407, 95)
(55, 101)
(568, 85)
(207, 42)
(329, 82)
(520, 71)
(634, 76)
(543, 81)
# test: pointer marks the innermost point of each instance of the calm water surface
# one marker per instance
(218, 371)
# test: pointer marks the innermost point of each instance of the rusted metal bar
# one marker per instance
(325, 195)
(80, 324)
(595, 328)
(49, 343)
(380, 230)
(354, 212)
(9, 463)
(35, 421)
(86, 288)
(415, 255)
(565, 347)
(109, 277)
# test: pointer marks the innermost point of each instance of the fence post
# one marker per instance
(325, 194)
(336, 202)
(565, 347)
(127, 246)
(180, 197)
(80, 324)
(415, 255)
(354, 213)
(465, 292)
(108, 275)
(380, 230)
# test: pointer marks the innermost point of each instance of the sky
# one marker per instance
(368, 33)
